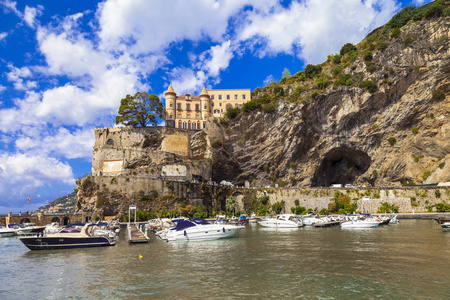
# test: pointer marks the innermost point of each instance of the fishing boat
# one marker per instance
(199, 229)
(69, 237)
(282, 221)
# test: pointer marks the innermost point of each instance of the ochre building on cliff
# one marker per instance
(192, 112)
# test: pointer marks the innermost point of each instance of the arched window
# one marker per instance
(110, 142)
(171, 103)
(189, 125)
(194, 126)
(198, 125)
(184, 125)
(204, 124)
(179, 124)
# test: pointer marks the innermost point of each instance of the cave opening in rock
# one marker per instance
(341, 165)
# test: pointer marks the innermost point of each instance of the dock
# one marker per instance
(135, 235)
(327, 224)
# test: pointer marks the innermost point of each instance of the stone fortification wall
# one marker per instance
(406, 199)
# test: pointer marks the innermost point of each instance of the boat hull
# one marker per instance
(7, 233)
(279, 224)
(351, 225)
(48, 243)
(203, 233)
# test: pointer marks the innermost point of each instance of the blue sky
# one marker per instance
(65, 65)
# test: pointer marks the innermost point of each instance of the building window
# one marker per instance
(198, 125)
(110, 142)
(221, 110)
(170, 117)
(228, 97)
(179, 116)
(189, 125)
(212, 104)
(171, 104)
(188, 107)
(220, 104)
(197, 116)
(194, 126)
(197, 107)
(235, 97)
(220, 97)
(243, 97)
(212, 97)
(188, 97)
(179, 106)
(184, 125)
(204, 124)
(188, 116)
(205, 106)
(179, 124)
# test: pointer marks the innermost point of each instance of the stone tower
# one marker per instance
(171, 104)
(205, 106)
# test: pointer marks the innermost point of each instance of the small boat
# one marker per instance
(282, 221)
(20, 229)
(199, 229)
(34, 227)
(243, 219)
(6, 232)
(311, 220)
(446, 226)
(67, 238)
(360, 224)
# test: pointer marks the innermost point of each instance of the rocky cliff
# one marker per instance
(387, 123)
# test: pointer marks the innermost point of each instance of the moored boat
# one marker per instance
(66, 239)
(199, 229)
(360, 224)
(20, 229)
(6, 232)
(445, 226)
(282, 221)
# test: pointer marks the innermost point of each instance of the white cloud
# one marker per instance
(313, 29)
(22, 173)
(3, 35)
(31, 13)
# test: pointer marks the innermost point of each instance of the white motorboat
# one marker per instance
(52, 228)
(311, 220)
(5, 231)
(34, 227)
(20, 229)
(360, 224)
(282, 221)
(199, 229)
(445, 226)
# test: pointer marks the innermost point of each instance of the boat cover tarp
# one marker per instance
(181, 225)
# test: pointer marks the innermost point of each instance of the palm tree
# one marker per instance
(231, 203)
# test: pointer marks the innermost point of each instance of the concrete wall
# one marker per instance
(407, 199)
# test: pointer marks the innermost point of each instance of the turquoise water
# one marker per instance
(410, 260)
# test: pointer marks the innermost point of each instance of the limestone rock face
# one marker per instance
(343, 134)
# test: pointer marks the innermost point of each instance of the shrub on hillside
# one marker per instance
(438, 94)
(251, 105)
(347, 48)
(217, 144)
(312, 70)
(233, 112)
(370, 85)
(392, 140)
(278, 91)
(368, 56)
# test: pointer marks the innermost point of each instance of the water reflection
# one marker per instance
(407, 260)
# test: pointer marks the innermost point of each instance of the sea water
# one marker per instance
(409, 260)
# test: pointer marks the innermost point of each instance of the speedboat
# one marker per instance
(52, 228)
(68, 238)
(20, 229)
(5, 231)
(282, 221)
(34, 227)
(445, 226)
(360, 224)
(199, 229)
(310, 220)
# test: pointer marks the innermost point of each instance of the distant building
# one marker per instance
(192, 112)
